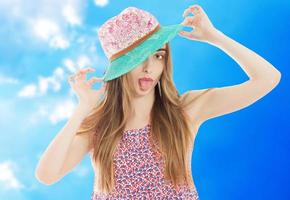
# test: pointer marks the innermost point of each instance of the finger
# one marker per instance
(81, 74)
(102, 89)
(78, 71)
(84, 70)
(88, 69)
(94, 80)
(191, 21)
(185, 33)
(77, 74)
(70, 79)
(194, 9)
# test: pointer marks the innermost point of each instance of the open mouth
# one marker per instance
(145, 84)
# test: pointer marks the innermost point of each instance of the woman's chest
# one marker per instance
(137, 160)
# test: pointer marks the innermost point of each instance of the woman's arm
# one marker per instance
(65, 151)
(256, 67)
(263, 76)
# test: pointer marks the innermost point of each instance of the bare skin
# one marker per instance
(152, 67)
(263, 77)
(67, 150)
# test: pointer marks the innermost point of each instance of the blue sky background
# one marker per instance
(241, 155)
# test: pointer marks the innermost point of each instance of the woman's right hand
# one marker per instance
(87, 96)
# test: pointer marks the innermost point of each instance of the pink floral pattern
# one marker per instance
(122, 30)
(139, 171)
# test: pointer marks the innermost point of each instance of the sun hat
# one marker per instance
(130, 37)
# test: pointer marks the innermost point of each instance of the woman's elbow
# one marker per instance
(276, 79)
(44, 177)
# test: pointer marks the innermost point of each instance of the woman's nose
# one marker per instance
(147, 69)
(146, 66)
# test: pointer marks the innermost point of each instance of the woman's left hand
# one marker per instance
(203, 30)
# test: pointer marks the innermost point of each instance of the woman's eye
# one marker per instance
(159, 57)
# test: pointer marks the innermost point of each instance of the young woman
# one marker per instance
(141, 133)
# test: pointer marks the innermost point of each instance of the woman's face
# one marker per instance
(151, 68)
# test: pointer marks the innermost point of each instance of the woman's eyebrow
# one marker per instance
(162, 49)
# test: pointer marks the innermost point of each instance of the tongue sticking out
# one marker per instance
(145, 85)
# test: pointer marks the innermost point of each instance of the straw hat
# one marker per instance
(130, 37)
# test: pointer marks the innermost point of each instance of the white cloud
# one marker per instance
(7, 80)
(45, 28)
(44, 83)
(8, 178)
(53, 112)
(11, 8)
(28, 91)
(41, 113)
(83, 61)
(58, 73)
(61, 111)
(47, 20)
(56, 79)
(101, 3)
(80, 62)
(49, 31)
(69, 64)
(69, 12)
(60, 42)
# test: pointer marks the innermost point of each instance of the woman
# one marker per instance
(141, 132)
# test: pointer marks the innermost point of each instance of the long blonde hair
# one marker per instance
(169, 128)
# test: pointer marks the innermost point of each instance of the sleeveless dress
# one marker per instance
(139, 171)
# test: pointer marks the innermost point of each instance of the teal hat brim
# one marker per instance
(137, 55)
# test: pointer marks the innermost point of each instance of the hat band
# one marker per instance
(133, 45)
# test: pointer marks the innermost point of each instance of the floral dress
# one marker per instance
(139, 171)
